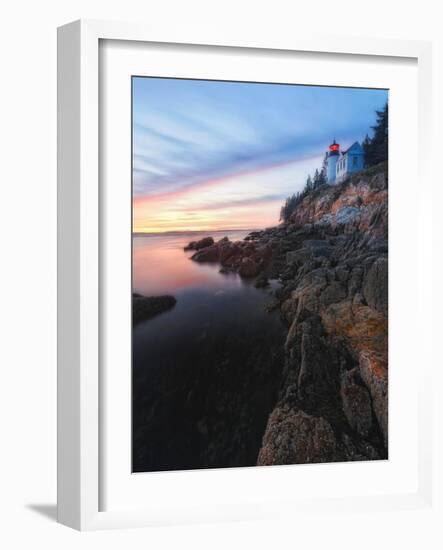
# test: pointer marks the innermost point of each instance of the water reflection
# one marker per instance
(160, 266)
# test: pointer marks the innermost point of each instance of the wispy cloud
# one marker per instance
(219, 146)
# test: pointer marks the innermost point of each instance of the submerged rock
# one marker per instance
(145, 307)
(261, 281)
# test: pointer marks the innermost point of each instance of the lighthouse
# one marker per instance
(333, 156)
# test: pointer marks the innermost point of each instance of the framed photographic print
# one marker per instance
(256, 346)
(234, 340)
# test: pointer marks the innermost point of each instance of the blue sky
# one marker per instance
(211, 154)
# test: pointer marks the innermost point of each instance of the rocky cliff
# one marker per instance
(332, 261)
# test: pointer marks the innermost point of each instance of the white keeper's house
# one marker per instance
(341, 164)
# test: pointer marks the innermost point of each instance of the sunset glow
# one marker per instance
(213, 155)
(223, 203)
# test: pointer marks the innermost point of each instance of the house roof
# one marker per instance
(354, 148)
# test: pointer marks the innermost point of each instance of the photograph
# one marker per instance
(259, 274)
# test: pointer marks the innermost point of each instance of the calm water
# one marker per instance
(160, 266)
(220, 322)
(206, 299)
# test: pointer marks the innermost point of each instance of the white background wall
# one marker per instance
(28, 269)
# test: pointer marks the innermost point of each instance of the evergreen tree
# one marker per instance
(293, 201)
(309, 185)
(366, 145)
(319, 178)
(376, 148)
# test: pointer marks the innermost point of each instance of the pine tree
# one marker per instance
(319, 178)
(376, 148)
(293, 201)
(309, 185)
(366, 145)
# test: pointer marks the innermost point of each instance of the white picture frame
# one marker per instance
(79, 261)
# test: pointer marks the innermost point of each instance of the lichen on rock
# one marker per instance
(334, 266)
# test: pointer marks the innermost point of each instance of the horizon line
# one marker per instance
(179, 231)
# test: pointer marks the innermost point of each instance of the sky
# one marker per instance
(212, 155)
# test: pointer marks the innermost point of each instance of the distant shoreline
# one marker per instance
(198, 232)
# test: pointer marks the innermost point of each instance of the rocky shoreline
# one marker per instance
(332, 261)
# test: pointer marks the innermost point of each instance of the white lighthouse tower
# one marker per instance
(333, 156)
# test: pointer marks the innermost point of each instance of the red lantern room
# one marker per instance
(334, 148)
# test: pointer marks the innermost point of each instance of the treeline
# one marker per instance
(294, 200)
(375, 149)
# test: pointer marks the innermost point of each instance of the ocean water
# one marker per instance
(160, 265)
(192, 364)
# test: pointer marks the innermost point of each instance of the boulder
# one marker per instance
(342, 273)
(229, 252)
(294, 437)
(359, 326)
(356, 402)
(333, 293)
(207, 254)
(374, 373)
(202, 243)
(298, 257)
(248, 268)
(347, 214)
(262, 281)
(146, 307)
(362, 451)
(317, 378)
(375, 285)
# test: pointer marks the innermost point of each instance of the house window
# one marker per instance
(354, 162)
